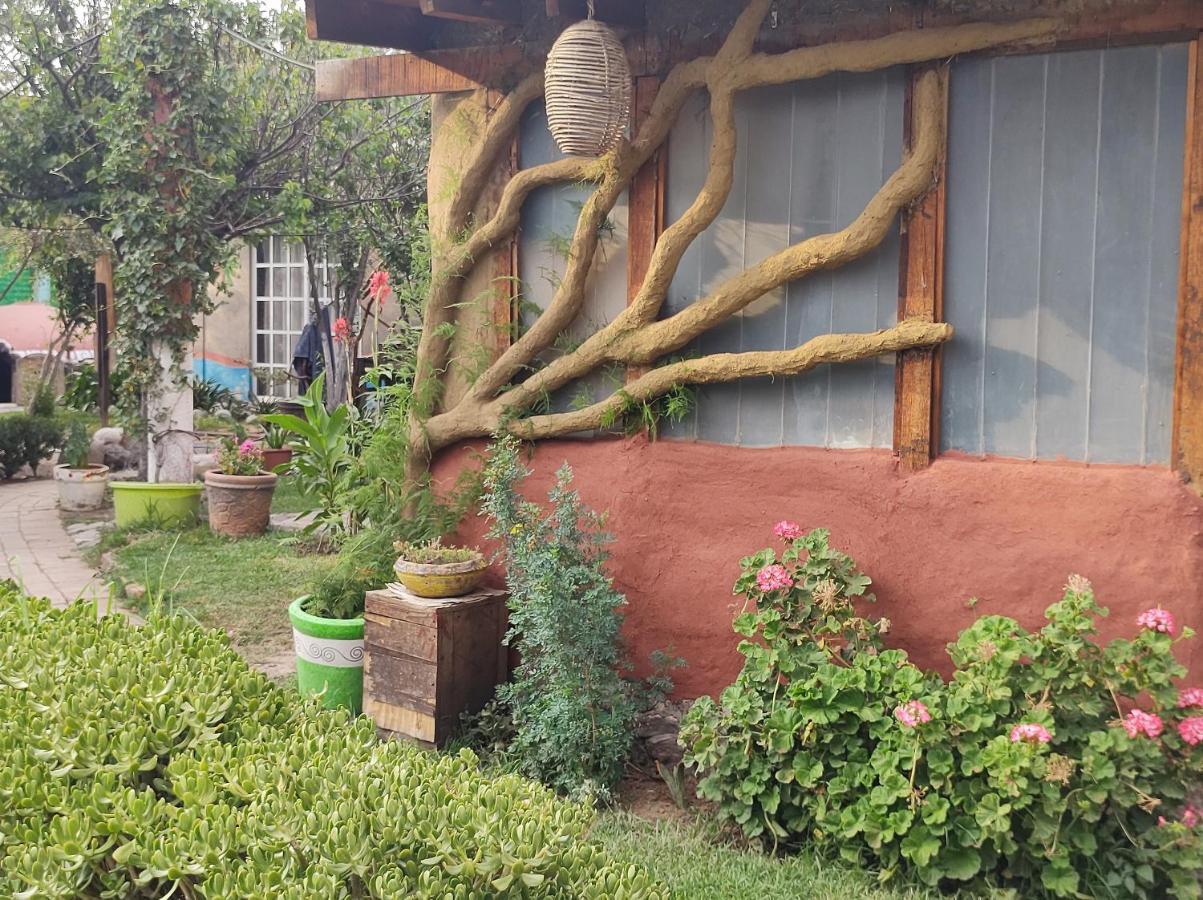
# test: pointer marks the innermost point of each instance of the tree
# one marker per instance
(504, 396)
(170, 128)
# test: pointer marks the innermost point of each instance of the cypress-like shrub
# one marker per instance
(151, 761)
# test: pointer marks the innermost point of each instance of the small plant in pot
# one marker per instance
(240, 491)
(432, 570)
(276, 451)
(81, 485)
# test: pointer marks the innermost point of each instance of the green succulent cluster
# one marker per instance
(152, 762)
(819, 741)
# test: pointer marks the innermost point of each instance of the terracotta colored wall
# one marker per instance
(1006, 532)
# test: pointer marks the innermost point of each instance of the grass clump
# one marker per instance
(434, 553)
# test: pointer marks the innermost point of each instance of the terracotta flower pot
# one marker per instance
(441, 579)
(240, 505)
(275, 456)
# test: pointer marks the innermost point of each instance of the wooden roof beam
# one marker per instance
(398, 24)
(489, 12)
(627, 13)
(411, 74)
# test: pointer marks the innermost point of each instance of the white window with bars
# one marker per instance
(281, 309)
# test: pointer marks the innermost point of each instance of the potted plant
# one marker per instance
(329, 655)
(239, 491)
(432, 570)
(276, 451)
(81, 485)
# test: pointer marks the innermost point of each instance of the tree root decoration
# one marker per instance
(637, 336)
(723, 367)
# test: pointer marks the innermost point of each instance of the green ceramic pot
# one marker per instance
(329, 657)
(135, 502)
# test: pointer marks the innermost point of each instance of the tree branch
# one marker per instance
(722, 367)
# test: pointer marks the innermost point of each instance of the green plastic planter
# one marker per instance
(135, 502)
(329, 657)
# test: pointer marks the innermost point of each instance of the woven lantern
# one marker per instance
(587, 89)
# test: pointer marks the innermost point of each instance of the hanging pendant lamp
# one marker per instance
(587, 89)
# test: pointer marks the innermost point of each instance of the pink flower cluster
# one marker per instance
(1157, 619)
(1139, 722)
(342, 330)
(912, 714)
(1030, 733)
(773, 578)
(1190, 697)
(1190, 730)
(1190, 817)
(378, 286)
(787, 531)
(246, 448)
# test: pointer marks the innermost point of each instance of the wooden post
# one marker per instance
(645, 203)
(106, 324)
(921, 281)
(1188, 382)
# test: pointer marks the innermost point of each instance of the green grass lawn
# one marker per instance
(289, 499)
(240, 586)
(694, 861)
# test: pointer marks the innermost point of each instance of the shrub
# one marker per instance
(1026, 769)
(26, 440)
(573, 709)
(151, 762)
(77, 445)
(434, 553)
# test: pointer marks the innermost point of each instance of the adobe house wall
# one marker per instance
(1006, 532)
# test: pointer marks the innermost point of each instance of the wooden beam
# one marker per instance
(921, 279)
(1188, 381)
(489, 12)
(372, 23)
(411, 74)
(645, 199)
(627, 13)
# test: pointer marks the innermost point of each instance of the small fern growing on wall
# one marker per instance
(573, 707)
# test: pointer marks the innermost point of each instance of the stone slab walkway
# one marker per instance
(36, 550)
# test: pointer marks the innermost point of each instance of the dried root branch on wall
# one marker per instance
(638, 336)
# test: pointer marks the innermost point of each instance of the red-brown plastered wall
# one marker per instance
(1006, 532)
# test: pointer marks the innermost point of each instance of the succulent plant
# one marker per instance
(151, 761)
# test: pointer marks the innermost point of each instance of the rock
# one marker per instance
(134, 592)
(291, 522)
(657, 731)
(107, 561)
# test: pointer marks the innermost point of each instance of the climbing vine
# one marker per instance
(169, 162)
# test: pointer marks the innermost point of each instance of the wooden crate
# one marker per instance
(428, 661)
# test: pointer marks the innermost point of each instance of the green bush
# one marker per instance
(573, 709)
(26, 440)
(1049, 763)
(151, 762)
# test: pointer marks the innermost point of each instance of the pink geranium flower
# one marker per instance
(912, 714)
(787, 531)
(773, 578)
(1157, 619)
(1139, 722)
(246, 448)
(1190, 697)
(1030, 733)
(1190, 730)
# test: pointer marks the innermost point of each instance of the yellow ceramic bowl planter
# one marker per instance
(433, 580)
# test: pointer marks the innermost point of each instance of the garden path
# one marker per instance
(36, 550)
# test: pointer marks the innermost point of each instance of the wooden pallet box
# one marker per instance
(428, 661)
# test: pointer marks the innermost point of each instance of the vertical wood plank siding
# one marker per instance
(1188, 388)
(810, 156)
(1061, 260)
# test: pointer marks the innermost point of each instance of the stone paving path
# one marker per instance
(36, 549)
